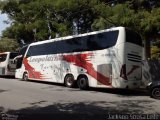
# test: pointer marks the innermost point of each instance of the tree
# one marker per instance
(9, 45)
(142, 16)
(155, 52)
(35, 20)
(39, 20)
(148, 18)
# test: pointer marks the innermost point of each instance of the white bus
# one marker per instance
(108, 58)
(7, 65)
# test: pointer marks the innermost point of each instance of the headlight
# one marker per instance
(149, 83)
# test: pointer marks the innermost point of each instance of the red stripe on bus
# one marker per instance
(82, 60)
(134, 67)
(31, 71)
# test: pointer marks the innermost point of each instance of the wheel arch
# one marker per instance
(82, 75)
(25, 72)
(158, 86)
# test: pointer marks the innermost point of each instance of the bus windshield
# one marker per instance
(19, 60)
(133, 37)
(3, 57)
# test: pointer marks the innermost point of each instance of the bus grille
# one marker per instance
(134, 58)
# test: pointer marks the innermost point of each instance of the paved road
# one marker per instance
(29, 100)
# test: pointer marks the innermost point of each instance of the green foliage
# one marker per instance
(50, 17)
(155, 52)
(2, 3)
(36, 20)
(7, 44)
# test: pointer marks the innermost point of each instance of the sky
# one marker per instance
(3, 25)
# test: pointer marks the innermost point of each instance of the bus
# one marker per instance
(7, 65)
(109, 58)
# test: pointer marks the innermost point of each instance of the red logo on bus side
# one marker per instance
(82, 60)
(31, 71)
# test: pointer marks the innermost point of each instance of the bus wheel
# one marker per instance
(155, 93)
(69, 81)
(25, 76)
(83, 82)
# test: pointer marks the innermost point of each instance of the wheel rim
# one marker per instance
(69, 81)
(25, 76)
(82, 82)
(156, 92)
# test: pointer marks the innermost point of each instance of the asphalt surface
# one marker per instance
(38, 100)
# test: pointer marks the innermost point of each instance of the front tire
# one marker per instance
(83, 82)
(155, 93)
(25, 76)
(69, 81)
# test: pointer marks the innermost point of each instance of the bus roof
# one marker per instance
(7, 52)
(74, 36)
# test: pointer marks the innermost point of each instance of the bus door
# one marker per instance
(3, 58)
(12, 64)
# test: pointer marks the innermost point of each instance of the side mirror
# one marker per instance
(16, 58)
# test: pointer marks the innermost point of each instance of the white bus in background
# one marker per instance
(108, 58)
(7, 65)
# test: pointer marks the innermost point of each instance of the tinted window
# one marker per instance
(13, 55)
(23, 50)
(43, 49)
(19, 60)
(3, 57)
(104, 40)
(78, 44)
(133, 37)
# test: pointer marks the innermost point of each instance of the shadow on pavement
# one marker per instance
(122, 92)
(8, 77)
(100, 110)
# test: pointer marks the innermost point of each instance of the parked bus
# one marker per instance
(7, 65)
(108, 58)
